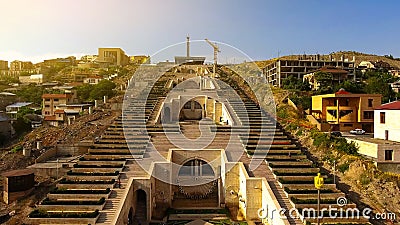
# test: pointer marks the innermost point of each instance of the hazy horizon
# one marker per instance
(43, 29)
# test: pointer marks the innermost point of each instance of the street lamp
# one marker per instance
(318, 183)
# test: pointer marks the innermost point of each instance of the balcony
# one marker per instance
(346, 114)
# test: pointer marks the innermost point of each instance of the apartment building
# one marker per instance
(344, 111)
(3, 67)
(17, 67)
(112, 57)
(280, 69)
(51, 101)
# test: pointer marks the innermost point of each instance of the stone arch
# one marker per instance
(196, 167)
(191, 110)
(141, 206)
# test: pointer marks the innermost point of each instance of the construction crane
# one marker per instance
(216, 50)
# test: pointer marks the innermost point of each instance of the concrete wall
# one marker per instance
(392, 124)
(368, 149)
(376, 151)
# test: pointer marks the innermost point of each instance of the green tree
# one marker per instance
(31, 93)
(103, 88)
(84, 92)
(326, 82)
(378, 85)
(351, 86)
(293, 83)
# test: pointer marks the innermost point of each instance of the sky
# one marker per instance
(40, 29)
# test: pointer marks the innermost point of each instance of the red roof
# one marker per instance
(56, 95)
(390, 106)
(332, 69)
(50, 118)
(342, 92)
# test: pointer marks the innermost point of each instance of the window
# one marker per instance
(382, 115)
(370, 102)
(46, 106)
(389, 155)
(56, 99)
(368, 115)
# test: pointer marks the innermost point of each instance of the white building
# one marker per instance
(387, 122)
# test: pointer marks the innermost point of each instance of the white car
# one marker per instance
(357, 131)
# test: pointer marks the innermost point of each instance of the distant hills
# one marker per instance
(359, 57)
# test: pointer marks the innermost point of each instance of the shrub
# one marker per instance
(343, 146)
(47, 201)
(343, 167)
(16, 149)
(98, 166)
(65, 181)
(66, 191)
(92, 173)
(37, 213)
(365, 179)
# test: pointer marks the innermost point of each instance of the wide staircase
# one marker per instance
(288, 171)
(92, 190)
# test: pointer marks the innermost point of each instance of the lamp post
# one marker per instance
(318, 183)
(57, 168)
(334, 171)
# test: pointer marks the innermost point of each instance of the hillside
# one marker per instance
(359, 57)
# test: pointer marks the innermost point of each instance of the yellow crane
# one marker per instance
(216, 50)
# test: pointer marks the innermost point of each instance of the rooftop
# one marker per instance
(16, 173)
(56, 95)
(331, 69)
(390, 106)
(20, 104)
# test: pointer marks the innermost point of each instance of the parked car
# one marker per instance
(357, 131)
(336, 133)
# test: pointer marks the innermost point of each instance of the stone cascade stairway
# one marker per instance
(101, 175)
(287, 169)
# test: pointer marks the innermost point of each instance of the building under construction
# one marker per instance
(280, 69)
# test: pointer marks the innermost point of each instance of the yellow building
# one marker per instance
(139, 59)
(344, 111)
(112, 57)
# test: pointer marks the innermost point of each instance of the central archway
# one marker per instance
(197, 180)
(191, 110)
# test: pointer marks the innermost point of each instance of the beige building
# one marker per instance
(112, 56)
(338, 76)
(3, 67)
(31, 79)
(385, 154)
(344, 111)
(92, 80)
(89, 58)
(17, 67)
(50, 103)
(386, 121)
